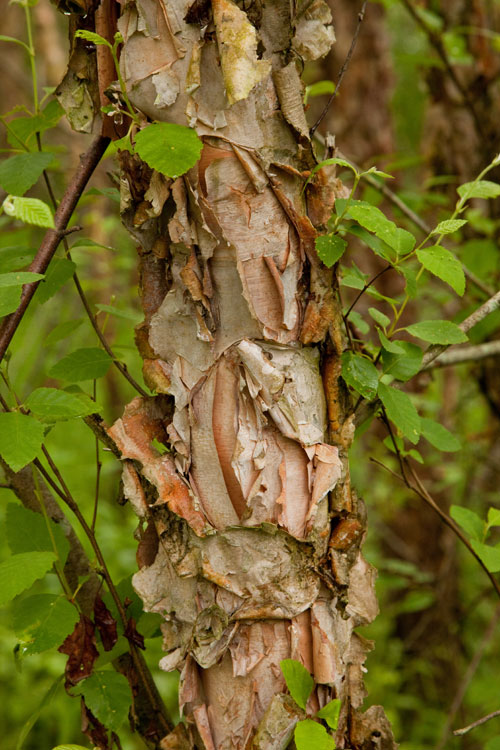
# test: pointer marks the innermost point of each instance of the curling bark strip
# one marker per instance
(252, 546)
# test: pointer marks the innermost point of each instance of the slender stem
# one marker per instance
(343, 69)
(362, 291)
(98, 466)
(32, 57)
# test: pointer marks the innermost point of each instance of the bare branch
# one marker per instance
(465, 354)
(483, 720)
(343, 69)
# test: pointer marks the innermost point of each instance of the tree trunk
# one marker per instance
(251, 541)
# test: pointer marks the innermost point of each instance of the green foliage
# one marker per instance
(58, 273)
(30, 210)
(298, 681)
(108, 696)
(20, 172)
(437, 332)
(21, 438)
(360, 373)
(169, 148)
(52, 404)
(27, 531)
(444, 265)
(9, 300)
(479, 189)
(401, 411)
(404, 363)
(330, 713)
(439, 436)
(43, 621)
(309, 735)
(18, 278)
(330, 248)
(20, 572)
(371, 218)
(468, 520)
(82, 364)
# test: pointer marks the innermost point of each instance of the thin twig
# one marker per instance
(437, 43)
(469, 674)
(50, 242)
(477, 723)
(98, 467)
(343, 69)
(366, 286)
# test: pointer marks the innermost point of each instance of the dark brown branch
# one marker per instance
(343, 69)
(362, 291)
(50, 242)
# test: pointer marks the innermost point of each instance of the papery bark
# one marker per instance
(252, 546)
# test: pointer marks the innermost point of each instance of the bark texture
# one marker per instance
(250, 531)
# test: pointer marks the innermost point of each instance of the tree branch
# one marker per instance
(465, 354)
(50, 242)
(483, 720)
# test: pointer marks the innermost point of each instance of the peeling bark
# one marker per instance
(256, 555)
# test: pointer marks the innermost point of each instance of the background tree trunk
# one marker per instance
(251, 541)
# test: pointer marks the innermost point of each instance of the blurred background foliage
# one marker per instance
(436, 662)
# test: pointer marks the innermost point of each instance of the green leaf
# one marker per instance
(444, 265)
(19, 572)
(29, 210)
(371, 218)
(390, 346)
(309, 735)
(405, 364)
(70, 747)
(21, 438)
(416, 601)
(449, 226)
(61, 331)
(401, 411)
(91, 36)
(439, 436)
(108, 696)
(9, 300)
(319, 89)
(58, 273)
(82, 364)
(379, 317)
(437, 332)
(330, 248)
(27, 531)
(411, 280)
(18, 278)
(43, 621)
(468, 520)
(21, 171)
(359, 321)
(169, 148)
(378, 246)
(52, 403)
(330, 713)
(479, 189)
(14, 257)
(360, 373)
(493, 517)
(298, 681)
(22, 129)
(490, 556)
